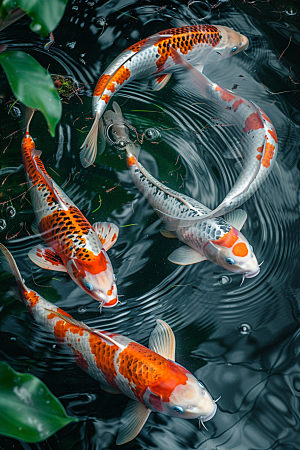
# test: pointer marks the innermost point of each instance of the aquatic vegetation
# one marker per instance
(29, 81)
(28, 410)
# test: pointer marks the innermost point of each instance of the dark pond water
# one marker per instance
(243, 342)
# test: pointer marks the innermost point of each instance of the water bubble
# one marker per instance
(54, 346)
(47, 401)
(20, 428)
(224, 279)
(11, 212)
(2, 224)
(151, 133)
(13, 338)
(100, 22)
(290, 11)
(71, 44)
(81, 309)
(121, 144)
(244, 329)
(15, 112)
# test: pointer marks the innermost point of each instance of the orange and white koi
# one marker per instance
(258, 139)
(217, 240)
(152, 58)
(150, 377)
(73, 244)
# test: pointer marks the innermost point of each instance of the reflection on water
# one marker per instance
(241, 341)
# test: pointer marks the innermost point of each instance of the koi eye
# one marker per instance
(233, 49)
(115, 278)
(251, 248)
(89, 287)
(177, 409)
(201, 385)
(230, 261)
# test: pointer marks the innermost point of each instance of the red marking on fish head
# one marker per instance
(240, 250)
(131, 160)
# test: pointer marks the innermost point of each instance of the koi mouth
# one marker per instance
(251, 275)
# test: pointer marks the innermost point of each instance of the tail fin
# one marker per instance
(9, 265)
(89, 147)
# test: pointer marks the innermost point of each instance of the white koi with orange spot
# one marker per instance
(73, 244)
(214, 239)
(152, 58)
(257, 135)
(150, 377)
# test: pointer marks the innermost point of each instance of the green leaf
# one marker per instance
(32, 85)
(45, 14)
(28, 410)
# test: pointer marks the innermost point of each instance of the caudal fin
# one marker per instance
(9, 265)
(89, 147)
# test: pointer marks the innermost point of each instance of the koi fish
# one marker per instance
(73, 244)
(217, 240)
(259, 143)
(150, 377)
(152, 58)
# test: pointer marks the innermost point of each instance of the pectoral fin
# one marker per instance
(109, 389)
(46, 258)
(160, 81)
(35, 228)
(236, 218)
(107, 232)
(162, 340)
(133, 420)
(185, 256)
(167, 233)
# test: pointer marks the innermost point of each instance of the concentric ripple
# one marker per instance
(241, 341)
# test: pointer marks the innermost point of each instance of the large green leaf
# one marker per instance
(28, 410)
(32, 85)
(45, 14)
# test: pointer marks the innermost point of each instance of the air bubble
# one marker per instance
(224, 279)
(11, 212)
(81, 309)
(100, 22)
(15, 112)
(2, 224)
(151, 133)
(244, 329)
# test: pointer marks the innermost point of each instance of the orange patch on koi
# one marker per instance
(104, 357)
(131, 161)
(228, 240)
(32, 298)
(226, 96)
(236, 104)
(260, 149)
(253, 122)
(112, 302)
(105, 98)
(240, 249)
(274, 135)
(100, 86)
(258, 157)
(268, 155)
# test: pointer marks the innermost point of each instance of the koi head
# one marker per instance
(231, 43)
(233, 252)
(96, 278)
(190, 400)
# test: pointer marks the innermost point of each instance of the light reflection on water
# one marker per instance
(241, 341)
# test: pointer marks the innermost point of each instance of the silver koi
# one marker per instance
(216, 239)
